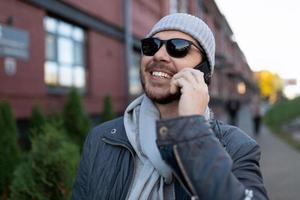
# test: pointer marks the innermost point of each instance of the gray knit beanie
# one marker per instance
(192, 26)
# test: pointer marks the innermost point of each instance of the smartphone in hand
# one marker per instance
(205, 68)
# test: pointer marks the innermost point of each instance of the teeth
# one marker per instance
(160, 74)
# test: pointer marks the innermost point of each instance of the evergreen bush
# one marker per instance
(9, 149)
(108, 111)
(76, 120)
(37, 120)
(56, 119)
(48, 172)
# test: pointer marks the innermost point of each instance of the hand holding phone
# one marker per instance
(194, 91)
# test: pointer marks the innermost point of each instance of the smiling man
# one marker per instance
(167, 145)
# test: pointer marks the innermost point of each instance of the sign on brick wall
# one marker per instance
(14, 42)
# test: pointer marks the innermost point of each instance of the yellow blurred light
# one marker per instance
(241, 88)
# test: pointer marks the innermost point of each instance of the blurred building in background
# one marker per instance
(49, 46)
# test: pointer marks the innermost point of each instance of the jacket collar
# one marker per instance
(115, 132)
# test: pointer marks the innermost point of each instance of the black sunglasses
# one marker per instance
(176, 47)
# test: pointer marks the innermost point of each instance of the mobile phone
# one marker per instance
(205, 68)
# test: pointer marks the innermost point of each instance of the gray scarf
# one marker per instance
(153, 177)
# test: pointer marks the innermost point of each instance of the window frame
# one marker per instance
(59, 88)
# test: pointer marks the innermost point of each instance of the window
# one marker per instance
(135, 87)
(65, 54)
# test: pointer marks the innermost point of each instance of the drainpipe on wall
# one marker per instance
(128, 46)
(173, 6)
(200, 8)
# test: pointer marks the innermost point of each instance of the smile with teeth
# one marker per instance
(161, 74)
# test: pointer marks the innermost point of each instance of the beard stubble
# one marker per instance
(166, 99)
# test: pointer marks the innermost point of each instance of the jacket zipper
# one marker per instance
(181, 183)
(123, 145)
(184, 173)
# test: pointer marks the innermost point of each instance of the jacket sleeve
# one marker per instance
(80, 188)
(190, 147)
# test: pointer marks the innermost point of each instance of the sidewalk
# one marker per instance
(280, 163)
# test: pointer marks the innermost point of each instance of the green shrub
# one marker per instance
(9, 149)
(280, 114)
(283, 112)
(108, 111)
(48, 172)
(37, 120)
(76, 121)
(56, 120)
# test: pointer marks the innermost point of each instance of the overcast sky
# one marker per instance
(268, 32)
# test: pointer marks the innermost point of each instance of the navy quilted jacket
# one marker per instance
(210, 161)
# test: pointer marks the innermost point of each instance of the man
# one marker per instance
(257, 114)
(233, 107)
(167, 146)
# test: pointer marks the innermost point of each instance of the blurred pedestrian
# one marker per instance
(233, 107)
(257, 114)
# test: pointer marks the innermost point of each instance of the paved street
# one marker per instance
(280, 163)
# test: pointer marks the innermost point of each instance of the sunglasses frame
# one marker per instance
(165, 42)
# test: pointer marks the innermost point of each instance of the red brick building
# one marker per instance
(94, 46)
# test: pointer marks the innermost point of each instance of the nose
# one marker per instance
(162, 54)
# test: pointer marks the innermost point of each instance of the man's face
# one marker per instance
(157, 71)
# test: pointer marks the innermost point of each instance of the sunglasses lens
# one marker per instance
(150, 46)
(178, 48)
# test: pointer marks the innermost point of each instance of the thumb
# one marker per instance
(173, 87)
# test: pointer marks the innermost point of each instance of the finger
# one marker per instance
(173, 87)
(189, 76)
(181, 84)
(199, 76)
(178, 74)
(176, 84)
(186, 74)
